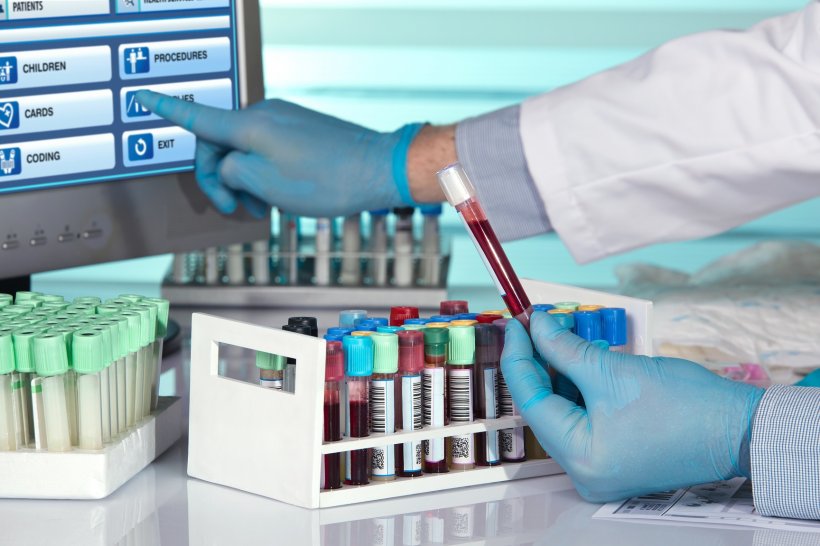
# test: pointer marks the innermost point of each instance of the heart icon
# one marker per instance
(7, 115)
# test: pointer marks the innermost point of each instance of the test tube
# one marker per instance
(460, 374)
(24, 295)
(105, 394)
(487, 357)
(260, 262)
(236, 264)
(358, 369)
(430, 245)
(310, 322)
(163, 312)
(453, 307)
(378, 247)
(436, 411)
(334, 375)
(351, 274)
(488, 318)
(511, 440)
(462, 195)
(51, 361)
(399, 314)
(289, 247)
(567, 305)
(179, 269)
(8, 434)
(147, 365)
(109, 390)
(615, 328)
(348, 318)
(403, 247)
(6, 300)
(409, 455)
(24, 364)
(132, 365)
(271, 370)
(389, 329)
(324, 243)
(71, 381)
(212, 266)
(88, 351)
(383, 403)
(290, 364)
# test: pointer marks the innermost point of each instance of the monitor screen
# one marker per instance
(86, 173)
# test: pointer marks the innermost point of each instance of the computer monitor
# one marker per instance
(86, 174)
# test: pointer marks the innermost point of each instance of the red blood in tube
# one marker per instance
(359, 428)
(332, 433)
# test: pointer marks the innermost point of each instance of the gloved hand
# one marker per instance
(811, 380)
(301, 161)
(650, 424)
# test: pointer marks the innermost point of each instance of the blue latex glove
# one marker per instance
(811, 380)
(304, 162)
(650, 424)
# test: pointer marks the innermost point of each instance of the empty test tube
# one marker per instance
(24, 364)
(260, 262)
(324, 243)
(163, 313)
(403, 247)
(212, 266)
(105, 393)
(351, 274)
(236, 264)
(89, 355)
(378, 247)
(430, 273)
(512, 442)
(8, 435)
(132, 365)
(51, 360)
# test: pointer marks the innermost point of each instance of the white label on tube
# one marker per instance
(412, 419)
(434, 412)
(506, 405)
(277, 384)
(382, 419)
(491, 410)
(461, 411)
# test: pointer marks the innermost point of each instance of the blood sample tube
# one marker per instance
(436, 412)
(488, 318)
(383, 403)
(271, 370)
(486, 392)
(403, 247)
(511, 440)
(460, 372)
(411, 417)
(358, 369)
(377, 267)
(399, 314)
(614, 326)
(347, 319)
(462, 195)
(453, 307)
(334, 375)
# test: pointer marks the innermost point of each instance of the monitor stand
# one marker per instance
(15, 284)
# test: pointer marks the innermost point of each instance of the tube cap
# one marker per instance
(303, 329)
(462, 345)
(108, 309)
(488, 318)
(543, 307)
(466, 316)
(362, 333)
(588, 325)
(153, 313)
(399, 314)
(431, 210)
(437, 325)
(614, 325)
(25, 296)
(389, 329)
(487, 344)
(50, 355)
(413, 327)
(267, 361)
(334, 337)
(411, 351)
(119, 325)
(567, 305)
(385, 353)
(6, 351)
(146, 323)
(347, 319)
(131, 298)
(418, 321)
(307, 321)
(88, 351)
(339, 331)
(82, 308)
(163, 312)
(134, 325)
(442, 318)
(456, 184)
(379, 321)
(501, 324)
(17, 309)
(460, 322)
(5, 300)
(334, 361)
(565, 320)
(86, 300)
(23, 353)
(590, 307)
(358, 356)
(52, 298)
(379, 212)
(107, 341)
(453, 307)
(435, 341)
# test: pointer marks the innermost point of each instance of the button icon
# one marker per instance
(134, 109)
(9, 115)
(140, 147)
(10, 161)
(8, 70)
(135, 59)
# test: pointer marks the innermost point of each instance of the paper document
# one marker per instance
(719, 503)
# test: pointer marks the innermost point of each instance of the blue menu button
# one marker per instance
(140, 147)
(11, 161)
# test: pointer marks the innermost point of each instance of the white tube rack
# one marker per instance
(270, 442)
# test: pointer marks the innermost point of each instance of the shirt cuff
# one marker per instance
(490, 149)
(785, 452)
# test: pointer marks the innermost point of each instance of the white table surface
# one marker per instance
(161, 505)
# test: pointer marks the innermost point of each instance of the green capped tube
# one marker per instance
(460, 380)
(89, 353)
(131, 364)
(108, 334)
(8, 431)
(50, 357)
(383, 403)
(271, 370)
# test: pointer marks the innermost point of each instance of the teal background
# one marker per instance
(384, 63)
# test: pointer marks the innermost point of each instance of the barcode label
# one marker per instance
(433, 400)
(512, 443)
(491, 411)
(382, 419)
(461, 396)
(276, 384)
(461, 522)
(463, 448)
(412, 419)
(507, 407)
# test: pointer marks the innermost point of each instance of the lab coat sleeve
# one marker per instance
(700, 135)
(490, 150)
(785, 453)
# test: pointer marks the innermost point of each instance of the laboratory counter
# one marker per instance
(162, 505)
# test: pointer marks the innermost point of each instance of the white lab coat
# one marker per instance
(698, 136)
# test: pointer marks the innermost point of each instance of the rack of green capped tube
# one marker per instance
(80, 378)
